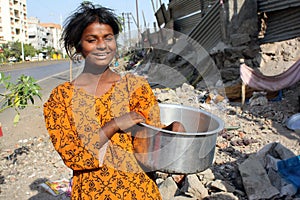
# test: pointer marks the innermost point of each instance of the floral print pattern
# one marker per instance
(74, 119)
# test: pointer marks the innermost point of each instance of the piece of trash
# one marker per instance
(289, 170)
(1, 133)
(214, 98)
(229, 128)
(258, 99)
(56, 188)
(17, 152)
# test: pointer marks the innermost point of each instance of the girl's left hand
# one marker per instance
(128, 120)
(176, 127)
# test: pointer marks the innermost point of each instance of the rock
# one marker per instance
(178, 178)
(222, 186)
(239, 39)
(222, 196)
(255, 179)
(184, 198)
(194, 188)
(206, 176)
(276, 150)
(168, 188)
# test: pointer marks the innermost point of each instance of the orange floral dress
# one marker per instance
(74, 119)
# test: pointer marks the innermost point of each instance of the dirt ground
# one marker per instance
(20, 179)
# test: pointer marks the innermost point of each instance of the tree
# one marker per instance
(14, 49)
(29, 50)
(17, 95)
(48, 50)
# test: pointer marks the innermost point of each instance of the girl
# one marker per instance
(89, 118)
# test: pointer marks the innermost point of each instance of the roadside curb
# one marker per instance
(23, 65)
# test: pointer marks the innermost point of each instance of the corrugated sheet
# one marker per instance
(274, 5)
(185, 25)
(208, 31)
(162, 15)
(282, 25)
(283, 19)
(184, 7)
(190, 15)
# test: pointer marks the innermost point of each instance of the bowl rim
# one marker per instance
(219, 120)
(291, 120)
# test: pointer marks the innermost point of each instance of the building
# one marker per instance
(39, 36)
(13, 21)
(16, 26)
(56, 31)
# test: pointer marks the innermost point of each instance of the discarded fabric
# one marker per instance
(289, 170)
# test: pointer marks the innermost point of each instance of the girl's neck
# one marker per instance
(96, 83)
(95, 70)
(101, 74)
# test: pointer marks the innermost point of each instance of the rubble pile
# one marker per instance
(246, 132)
(192, 66)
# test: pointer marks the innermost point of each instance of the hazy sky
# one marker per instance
(57, 10)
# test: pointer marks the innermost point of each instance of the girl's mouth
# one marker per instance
(101, 56)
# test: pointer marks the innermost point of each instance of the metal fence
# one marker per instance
(282, 19)
(201, 19)
(198, 19)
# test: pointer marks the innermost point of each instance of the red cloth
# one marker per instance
(259, 81)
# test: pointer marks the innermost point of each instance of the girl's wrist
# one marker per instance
(112, 126)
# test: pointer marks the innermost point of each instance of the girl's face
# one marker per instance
(98, 44)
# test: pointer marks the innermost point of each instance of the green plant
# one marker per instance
(14, 49)
(18, 95)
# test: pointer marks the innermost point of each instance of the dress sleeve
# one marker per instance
(143, 101)
(61, 128)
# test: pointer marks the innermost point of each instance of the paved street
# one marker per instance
(32, 115)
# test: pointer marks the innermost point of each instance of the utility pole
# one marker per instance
(161, 35)
(137, 14)
(129, 34)
(139, 32)
(145, 23)
(137, 19)
(124, 29)
(153, 6)
(21, 31)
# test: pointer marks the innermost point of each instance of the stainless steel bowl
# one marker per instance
(293, 123)
(178, 152)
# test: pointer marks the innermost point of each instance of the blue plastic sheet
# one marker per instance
(289, 169)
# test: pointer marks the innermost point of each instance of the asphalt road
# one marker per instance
(61, 70)
(48, 77)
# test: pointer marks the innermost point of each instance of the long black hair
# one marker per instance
(83, 16)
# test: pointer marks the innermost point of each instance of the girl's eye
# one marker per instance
(109, 38)
(90, 41)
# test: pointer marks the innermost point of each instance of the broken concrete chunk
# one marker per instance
(168, 188)
(194, 188)
(255, 180)
(222, 186)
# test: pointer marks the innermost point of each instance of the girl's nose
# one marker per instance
(101, 44)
